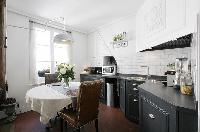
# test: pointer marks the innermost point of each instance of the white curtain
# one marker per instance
(58, 53)
(32, 57)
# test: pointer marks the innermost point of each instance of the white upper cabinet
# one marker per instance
(159, 21)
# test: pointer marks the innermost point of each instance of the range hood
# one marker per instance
(181, 42)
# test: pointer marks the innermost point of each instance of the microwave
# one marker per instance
(109, 70)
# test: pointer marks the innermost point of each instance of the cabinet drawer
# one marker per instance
(132, 87)
(153, 118)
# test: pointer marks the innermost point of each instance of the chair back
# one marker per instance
(88, 101)
(50, 78)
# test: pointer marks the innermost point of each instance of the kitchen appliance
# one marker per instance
(170, 77)
(109, 65)
(170, 80)
(182, 67)
(109, 70)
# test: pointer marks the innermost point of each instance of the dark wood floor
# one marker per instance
(110, 120)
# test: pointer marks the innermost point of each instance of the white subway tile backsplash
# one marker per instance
(156, 60)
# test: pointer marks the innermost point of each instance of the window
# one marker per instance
(48, 54)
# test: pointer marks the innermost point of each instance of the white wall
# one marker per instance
(128, 60)
(18, 57)
(79, 53)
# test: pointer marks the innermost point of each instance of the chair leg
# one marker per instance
(96, 125)
(56, 118)
(77, 129)
(61, 124)
(66, 125)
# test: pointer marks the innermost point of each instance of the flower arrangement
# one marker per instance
(65, 72)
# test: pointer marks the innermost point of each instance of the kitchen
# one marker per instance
(155, 59)
(137, 56)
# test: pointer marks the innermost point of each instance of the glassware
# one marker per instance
(186, 84)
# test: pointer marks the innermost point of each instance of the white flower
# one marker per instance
(63, 71)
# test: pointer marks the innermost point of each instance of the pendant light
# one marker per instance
(64, 37)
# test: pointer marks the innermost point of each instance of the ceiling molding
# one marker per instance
(112, 22)
(44, 20)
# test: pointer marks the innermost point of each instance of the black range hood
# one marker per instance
(181, 42)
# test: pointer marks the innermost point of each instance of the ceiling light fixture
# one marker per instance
(64, 37)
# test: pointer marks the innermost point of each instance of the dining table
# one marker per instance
(49, 99)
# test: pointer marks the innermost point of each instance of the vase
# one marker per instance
(65, 82)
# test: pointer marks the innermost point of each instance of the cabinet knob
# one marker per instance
(135, 89)
(135, 100)
(151, 116)
(134, 84)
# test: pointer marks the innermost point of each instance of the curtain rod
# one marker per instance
(31, 21)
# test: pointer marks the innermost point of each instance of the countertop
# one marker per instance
(170, 95)
(127, 76)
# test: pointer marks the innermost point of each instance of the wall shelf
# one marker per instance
(119, 44)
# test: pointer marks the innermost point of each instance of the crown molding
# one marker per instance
(44, 20)
(112, 22)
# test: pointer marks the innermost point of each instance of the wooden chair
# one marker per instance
(51, 78)
(87, 106)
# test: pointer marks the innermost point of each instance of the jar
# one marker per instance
(186, 84)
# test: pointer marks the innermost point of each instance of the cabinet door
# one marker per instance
(122, 94)
(153, 118)
(132, 109)
(103, 91)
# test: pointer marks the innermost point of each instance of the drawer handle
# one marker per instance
(151, 116)
(135, 89)
(134, 84)
(135, 100)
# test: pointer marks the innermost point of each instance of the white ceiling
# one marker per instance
(81, 14)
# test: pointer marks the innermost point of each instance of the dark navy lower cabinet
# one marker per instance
(122, 94)
(157, 115)
(153, 118)
(132, 100)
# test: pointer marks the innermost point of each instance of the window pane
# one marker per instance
(62, 53)
(42, 36)
(42, 53)
(43, 65)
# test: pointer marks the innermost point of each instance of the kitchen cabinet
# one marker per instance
(122, 94)
(160, 21)
(132, 100)
(85, 77)
(153, 118)
(165, 109)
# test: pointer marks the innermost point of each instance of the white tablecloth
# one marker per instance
(48, 100)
